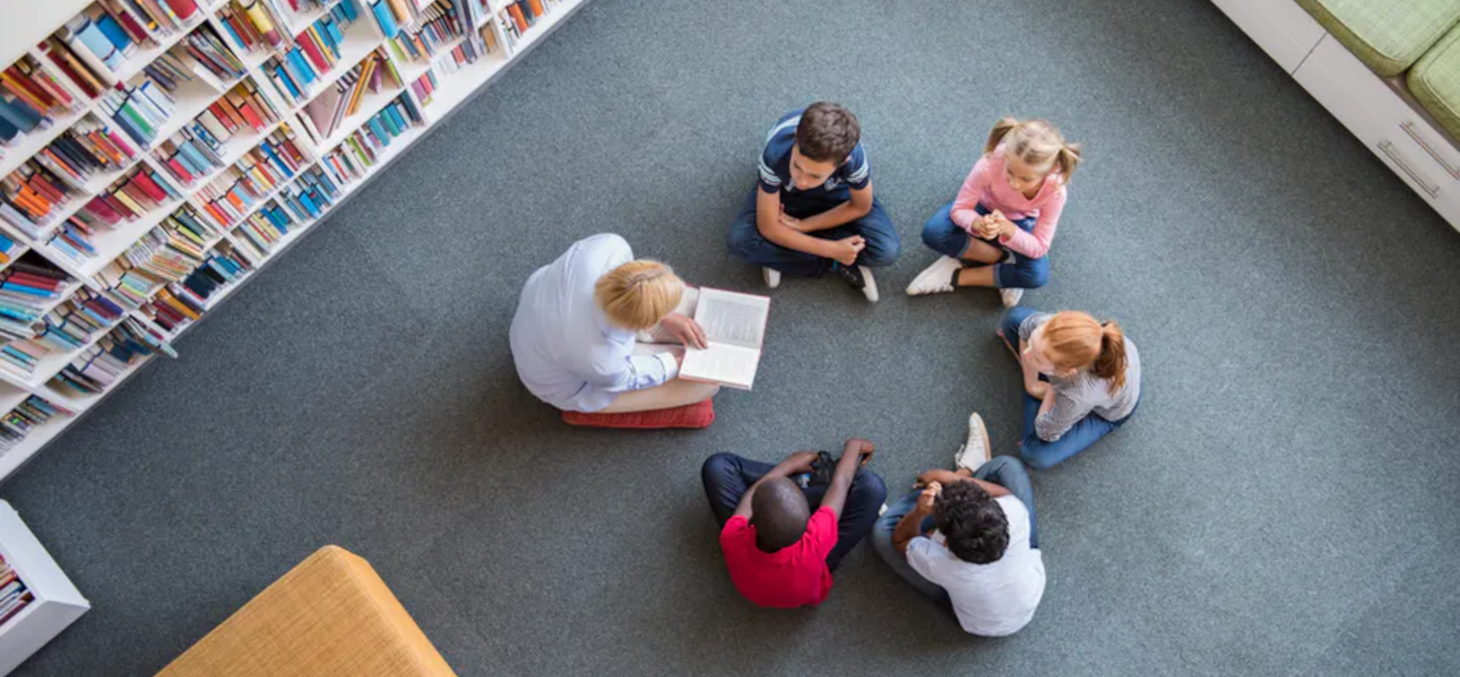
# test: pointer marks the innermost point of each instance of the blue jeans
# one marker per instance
(1005, 471)
(1039, 454)
(945, 237)
(876, 228)
(726, 478)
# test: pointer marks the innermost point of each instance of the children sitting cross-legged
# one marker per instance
(966, 539)
(779, 550)
(997, 231)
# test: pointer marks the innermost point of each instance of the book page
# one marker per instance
(721, 363)
(734, 319)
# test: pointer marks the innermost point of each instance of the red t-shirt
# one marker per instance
(793, 576)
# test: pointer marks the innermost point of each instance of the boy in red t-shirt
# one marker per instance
(780, 554)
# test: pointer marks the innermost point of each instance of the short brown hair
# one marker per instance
(637, 294)
(828, 132)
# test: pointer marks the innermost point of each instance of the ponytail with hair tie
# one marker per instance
(1110, 364)
(1001, 129)
(1068, 159)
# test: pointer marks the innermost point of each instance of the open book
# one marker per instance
(735, 327)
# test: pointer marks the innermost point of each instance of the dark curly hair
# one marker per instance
(973, 525)
(828, 132)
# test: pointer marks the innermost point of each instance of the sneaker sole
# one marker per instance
(869, 286)
(975, 420)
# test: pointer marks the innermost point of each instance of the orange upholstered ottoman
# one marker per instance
(697, 415)
(331, 616)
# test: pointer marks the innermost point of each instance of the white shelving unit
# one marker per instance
(57, 602)
(27, 24)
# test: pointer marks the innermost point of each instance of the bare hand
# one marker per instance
(1037, 389)
(861, 447)
(800, 461)
(846, 249)
(938, 476)
(685, 330)
(929, 497)
(1003, 227)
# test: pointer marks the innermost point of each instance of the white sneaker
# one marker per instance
(1011, 297)
(772, 277)
(937, 278)
(869, 284)
(976, 451)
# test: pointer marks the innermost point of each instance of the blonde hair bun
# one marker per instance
(637, 294)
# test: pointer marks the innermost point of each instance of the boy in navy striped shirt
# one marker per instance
(813, 210)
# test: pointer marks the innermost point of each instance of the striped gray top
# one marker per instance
(1084, 393)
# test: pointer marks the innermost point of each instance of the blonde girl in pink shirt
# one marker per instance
(997, 232)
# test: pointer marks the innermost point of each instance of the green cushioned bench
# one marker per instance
(1435, 81)
(1388, 35)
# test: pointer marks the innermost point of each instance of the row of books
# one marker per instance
(251, 26)
(101, 365)
(31, 99)
(165, 254)
(179, 304)
(391, 15)
(315, 52)
(520, 16)
(109, 32)
(440, 25)
(263, 169)
(75, 237)
(27, 287)
(9, 248)
(216, 59)
(86, 149)
(322, 116)
(445, 65)
(33, 413)
(31, 195)
(140, 191)
(140, 110)
(72, 325)
(197, 150)
(14, 595)
(361, 150)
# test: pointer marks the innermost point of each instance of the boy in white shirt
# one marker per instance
(967, 539)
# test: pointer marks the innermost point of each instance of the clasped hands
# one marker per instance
(993, 225)
(800, 461)
(844, 250)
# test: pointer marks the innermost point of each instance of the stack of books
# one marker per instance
(179, 304)
(33, 413)
(110, 31)
(139, 192)
(263, 169)
(30, 196)
(174, 307)
(72, 325)
(77, 75)
(140, 110)
(27, 288)
(166, 254)
(31, 99)
(322, 116)
(309, 196)
(450, 62)
(361, 150)
(14, 596)
(197, 150)
(88, 148)
(100, 365)
(440, 25)
(316, 51)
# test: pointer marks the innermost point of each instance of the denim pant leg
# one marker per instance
(1024, 272)
(1042, 455)
(726, 477)
(746, 242)
(941, 235)
(864, 499)
(1009, 473)
(882, 543)
(883, 243)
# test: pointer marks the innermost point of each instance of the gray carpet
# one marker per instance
(1283, 504)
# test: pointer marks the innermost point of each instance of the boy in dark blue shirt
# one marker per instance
(813, 209)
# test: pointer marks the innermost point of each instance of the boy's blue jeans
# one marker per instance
(1005, 471)
(945, 237)
(1039, 454)
(876, 228)
(727, 477)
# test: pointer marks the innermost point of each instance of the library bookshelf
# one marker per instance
(53, 602)
(334, 94)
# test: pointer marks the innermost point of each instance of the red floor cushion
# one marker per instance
(697, 415)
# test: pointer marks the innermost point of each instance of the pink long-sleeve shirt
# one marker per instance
(986, 184)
